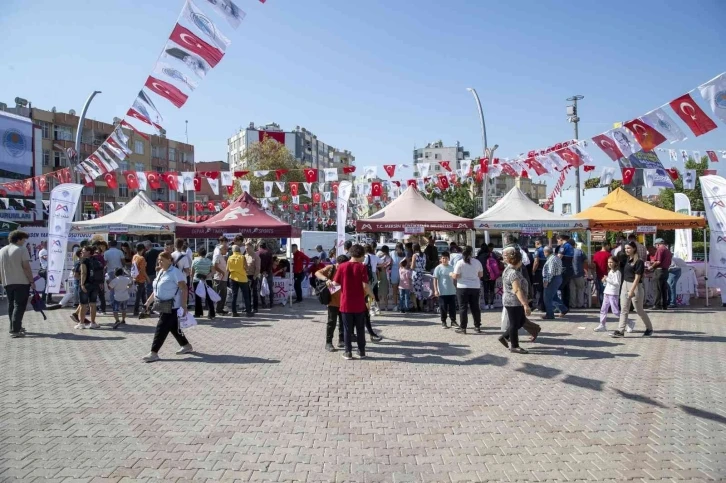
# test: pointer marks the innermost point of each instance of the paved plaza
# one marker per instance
(261, 400)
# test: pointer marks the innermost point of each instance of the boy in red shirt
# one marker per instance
(352, 276)
(299, 259)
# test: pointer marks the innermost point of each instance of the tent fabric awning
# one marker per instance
(139, 216)
(621, 211)
(412, 209)
(517, 213)
(244, 216)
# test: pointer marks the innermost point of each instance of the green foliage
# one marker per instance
(667, 200)
(595, 183)
(268, 155)
(462, 200)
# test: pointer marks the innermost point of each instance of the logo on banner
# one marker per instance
(717, 203)
(63, 208)
(65, 193)
(366, 226)
(720, 239)
(57, 243)
(579, 225)
(14, 143)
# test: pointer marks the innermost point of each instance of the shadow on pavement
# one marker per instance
(700, 413)
(584, 382)
(223, 359)
(576, 342)
(71, 336)
(578, 353)
(639, 398)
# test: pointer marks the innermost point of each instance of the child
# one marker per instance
(611, 293)
(445, 290)
(120, 286)
(404, 285)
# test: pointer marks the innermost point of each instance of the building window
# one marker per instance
(437, 156)
(139, 166)
(172, 154)
(46, 157)
(58, 159)
(123, 165)
(426, 155)
(45, 126)
(123, 190)
(566, 208)
(155, 151)
(139, 147)
(62, 133)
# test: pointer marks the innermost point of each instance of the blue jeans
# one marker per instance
(404, 300)
(673, 276)
(551, 299)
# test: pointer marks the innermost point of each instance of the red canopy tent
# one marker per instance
(244, 216)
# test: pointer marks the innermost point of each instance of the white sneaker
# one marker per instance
(631, 326)
(87, 326)
(185, 349)
(600, 328)
(79, 326)
(94, 325)
(151, 357)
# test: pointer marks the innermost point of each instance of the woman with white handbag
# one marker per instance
(169, 297)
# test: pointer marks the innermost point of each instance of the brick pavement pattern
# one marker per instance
(261, 400)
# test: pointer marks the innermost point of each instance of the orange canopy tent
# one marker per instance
(622, 211)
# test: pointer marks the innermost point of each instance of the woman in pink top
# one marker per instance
(404, 286)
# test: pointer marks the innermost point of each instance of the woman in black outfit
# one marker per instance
(515, 300)
(488, 284)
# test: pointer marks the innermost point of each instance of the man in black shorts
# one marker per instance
(88, 291)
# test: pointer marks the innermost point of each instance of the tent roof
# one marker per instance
(139, 216)
(621, 211)
(412, 209)
(516, 212)
(244, 216)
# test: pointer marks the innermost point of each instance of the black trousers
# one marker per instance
(168, 323)
(255, 292)
(18, 295)
(468, 300)
(516, 321)
(198, 309)
(565, 287)
(244, 287)
(298, 278)
(334, 317)
(538, 286)
(351, 322)
(489, 288)
(661, 288)
(447, 305)
(140, 296)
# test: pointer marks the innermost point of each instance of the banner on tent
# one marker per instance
(646, 229)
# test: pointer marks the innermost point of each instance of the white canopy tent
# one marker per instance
(515, 212)
(139, 216)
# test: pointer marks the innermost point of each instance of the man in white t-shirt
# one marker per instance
(180, 259)
(219, 267)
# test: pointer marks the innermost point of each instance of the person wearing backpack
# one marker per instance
(98, 255)
(89, 288)
(492, 272)
(334, 316)
(140, 276)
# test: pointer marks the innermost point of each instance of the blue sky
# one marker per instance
(378, 77)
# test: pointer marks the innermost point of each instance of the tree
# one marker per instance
(667, 197)
(595, 183)
(268, 155)
(459, 200)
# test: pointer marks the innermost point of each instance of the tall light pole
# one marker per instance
(573, 118)
(79, 131)
(487, 154)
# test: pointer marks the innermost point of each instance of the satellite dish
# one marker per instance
(72, 112)
(116, 120)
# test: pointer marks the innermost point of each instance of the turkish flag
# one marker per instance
(169, 91)
(608, 146)
(536, 166)
(64, 175)
(153, 179)
(239, 174)
(712, 156)
(131, 180)
(98, 163)
(110, 179)
(311, 175)
(483, 165)
(185, 206)
(42, 183)
(306, 207)
(692, 115)
(279, 173)
(197, 182)
(443, 182)
(171, 179)
(210, 174)
(673, 173)
(137, 115)
(348, 169)
(96, 205)
(390, 169)
(628, 174)
(224, 204)
(198, 206)
(189, 41)
(376, 189)
(707, 172)
(524, 174)
(507, 169)
(588, 167)
(446, 165)
(210, 206)
(172, 206)
(316, 197)
(160, 205)
(646, 136)
(334, 187)
(131, 126)
(230, 189)
(27, 187)
(294, 188)
(325, 206)
(412, 182)
(570, 157)
(283, 198)
(332, 205)
(296, 207)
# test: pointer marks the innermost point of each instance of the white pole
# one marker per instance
(705, 258)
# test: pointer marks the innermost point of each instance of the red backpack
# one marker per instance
(493, 268)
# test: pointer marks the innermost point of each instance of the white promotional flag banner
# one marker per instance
(321, 187)
(465, 167)
(188, 177)
(683, 247)
(267, 186)
(244, 185)
(331, 174)
(689, 179)
(344, 190)
(648, 177)
(370, 172)
(228, 10)
(662, 122)
(308, 188)
(214, 184)
(626, 142)
(205, 25)
(180, 184)
(423, 169)
(141, 177)
(280, 186)
(673, 155)
(714, 201)
(63, 201)
(714, 92)
(227, 178)
(606, 177)
(584, 155)
(164, 70)
(326, 195)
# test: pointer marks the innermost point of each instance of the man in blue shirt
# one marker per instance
(539, 261)
(577, 282)
(565, 252)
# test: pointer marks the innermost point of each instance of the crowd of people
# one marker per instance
(360, 283)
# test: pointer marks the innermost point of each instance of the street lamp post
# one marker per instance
(79, 131)
(487, 153)
(573, 118)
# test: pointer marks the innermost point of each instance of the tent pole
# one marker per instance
(705, 258)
